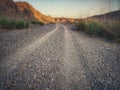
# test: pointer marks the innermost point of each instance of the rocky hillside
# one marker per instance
(115, 15)
(27, 10)
(8, 8)
(22, 10)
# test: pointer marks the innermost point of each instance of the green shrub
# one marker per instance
(95, 28)
(108, 30)
(22, 24)
(91, 28)
(12, 24)
(3, 22)
(109, 36)
(26, 24)
(7, 23)
(80, 26)
(114, 29)
(37, 22)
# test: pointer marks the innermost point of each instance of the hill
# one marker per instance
(115, 15)
(27, 10)
(9, 9)
(22, 10)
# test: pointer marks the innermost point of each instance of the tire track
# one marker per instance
(62, 60)
(10, 62)
(75, 78)
(40, 69)
(97, 57)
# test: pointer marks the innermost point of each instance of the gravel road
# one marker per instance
(55, 57)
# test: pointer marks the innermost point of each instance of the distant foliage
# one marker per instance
(37, 22)
(12, 24)
(108, 29)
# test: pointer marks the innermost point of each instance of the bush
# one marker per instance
(22, 24)
(109, 30)
(95, 28)
(12, 24)
(7, 23)
(80, 26)
(3, 22)
(37, 22)
(114, 29)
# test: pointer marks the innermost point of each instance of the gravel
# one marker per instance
(55, 57)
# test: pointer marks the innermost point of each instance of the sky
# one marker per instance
(74, 8)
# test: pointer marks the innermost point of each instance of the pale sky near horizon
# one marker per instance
(74, 8)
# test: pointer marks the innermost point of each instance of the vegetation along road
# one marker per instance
(55, 57)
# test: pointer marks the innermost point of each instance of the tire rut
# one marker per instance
(100, 72)
(8, 64)
(72, 69)
(39, 70)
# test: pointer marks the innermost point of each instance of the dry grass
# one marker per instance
(107, 29)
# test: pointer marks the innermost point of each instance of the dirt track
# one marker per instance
(57, 58)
